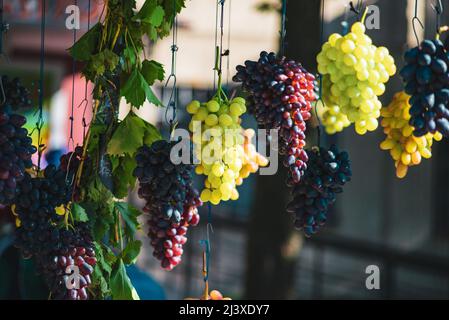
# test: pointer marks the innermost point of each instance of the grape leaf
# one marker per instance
(128, 136)
(129, 215)
(121, 286)
(129, 57)
(134, 89)
(132, 250)
(86, 46)
(99, 63)
(150, 13)
(78, 213)
(123, 175)
(152, 71)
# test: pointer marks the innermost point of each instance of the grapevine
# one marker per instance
(405, 148)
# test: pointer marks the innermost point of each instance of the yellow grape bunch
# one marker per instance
(354, 73)
(405, 149)
(219, 144)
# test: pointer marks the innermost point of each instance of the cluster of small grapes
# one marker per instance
(354, 75)
(406, 149)
(252, 160)
(40, 210)
(16, 94)
(162, 184)
(218, 144)
(171, 200)
(168, 237)
(69, 163)
(328, 170)
(15, 152)
(332, 118)
(426, 78)
(280, 95)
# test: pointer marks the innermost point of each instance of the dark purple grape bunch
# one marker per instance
(161, 183)
(426, 78)
(171, 200)
(15, 153)
(42, 235)
(328, 170)
(280, 96)
(17, 96)
(70, 163)
(168, 237)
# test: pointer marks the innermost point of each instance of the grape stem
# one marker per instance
(220, 94)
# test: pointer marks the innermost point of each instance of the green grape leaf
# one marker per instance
(128, 136)
(151, 134)
(87, 45)
(152, 71)
(121, 286)
(135, 89)
(129, 57)
(123, 175)
(132, 250)
(129, 215)
(78, 213)
(150, 13)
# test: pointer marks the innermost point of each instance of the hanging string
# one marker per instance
(219, 51)
(438, 7)
(85, 101)
(283, 28)
(40, 120)
(320, 77)
(228, 45)
(3, 28)
(173, 100)
(416, 19)
(357, 10)
(71, 140)
(216, 43)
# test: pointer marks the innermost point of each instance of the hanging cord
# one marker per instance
(206, 243)
(357, 10)
(416, 19)
(229, 45)
(85, 101)
(220, 94)
(283, 28)
(173, 100)
(71, 140)
(40, 120)
(438, 7)
(320, 77)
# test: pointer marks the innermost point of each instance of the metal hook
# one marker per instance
(414, 28)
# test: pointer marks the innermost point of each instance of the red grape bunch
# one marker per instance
(41, 234)
(281, 93)
(171, 200)
(327, 172)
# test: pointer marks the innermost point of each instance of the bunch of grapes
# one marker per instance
(426, 78)
(171, 200)
(162, 184)
(328, 170)
(218, 144)
(70, 163)
(280, 95)
(167, 236)
(354, 75)
(252, 160)
(332, 118)
(40, 233)
(15, 152)
(406, 149)
(16, 94)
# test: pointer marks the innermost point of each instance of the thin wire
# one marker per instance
(216, 41)
(438, 7)
(73, 92)
(40, 121)
(85, 101)
(320, 77)
(173, 100)
(283, 30)
(414, 19)
(229, 45)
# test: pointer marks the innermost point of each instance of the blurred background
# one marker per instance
(401, 226)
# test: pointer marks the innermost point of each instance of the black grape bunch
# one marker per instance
(17, 97)
(281, 93)
(328, 170)
(171, 200)
(426, 79)
(70, 164)
(41, 234)
(15, 145)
